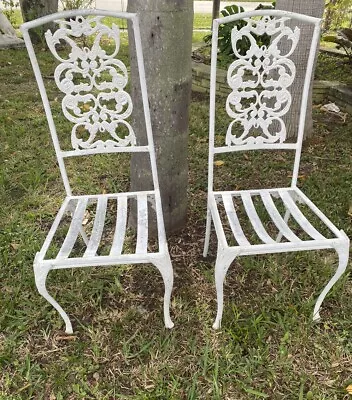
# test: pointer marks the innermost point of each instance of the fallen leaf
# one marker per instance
(299, 176)
(219, 163)
(350, 211)
(15, 246)
(86, 218)
(349, 389)
(66, 337)
(85, 107)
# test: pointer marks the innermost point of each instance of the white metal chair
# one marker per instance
(260, 98)
(89, 75)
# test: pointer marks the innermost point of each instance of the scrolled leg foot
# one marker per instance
(343, 251)
(165, 268)
(223, 262)
(40, 274)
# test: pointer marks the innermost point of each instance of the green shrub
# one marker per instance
(224, 36)
(343, 39)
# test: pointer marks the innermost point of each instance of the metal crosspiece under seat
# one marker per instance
(97, 79)
(260, 80)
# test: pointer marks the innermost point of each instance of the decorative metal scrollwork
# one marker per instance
(261, 103)
(93, 83)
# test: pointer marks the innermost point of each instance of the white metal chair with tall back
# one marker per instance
(91, 76)
(260, 80)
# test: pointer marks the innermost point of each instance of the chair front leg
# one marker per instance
(342, 249)
(165, 268)
(223, 261)
(40, 274)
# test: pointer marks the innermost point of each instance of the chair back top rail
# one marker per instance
(270, 13)
(73, 13)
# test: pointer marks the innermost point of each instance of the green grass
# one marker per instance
(198, 37)
(250, 1)
(15, 17)
(333, 68)
(268, 346)
(202, 21)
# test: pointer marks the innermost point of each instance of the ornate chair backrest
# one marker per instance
(93, 82)
(260, 78)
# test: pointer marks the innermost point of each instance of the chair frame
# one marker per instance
(160, 259)
(225, 253)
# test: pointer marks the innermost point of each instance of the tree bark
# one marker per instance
(314, 8)
(32, 9)
(166, 31)
(216, 8)
(329, 15)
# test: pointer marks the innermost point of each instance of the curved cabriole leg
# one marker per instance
(165, 267)
(342, 250)
(223, 262)
(207, 234)
(40, 273)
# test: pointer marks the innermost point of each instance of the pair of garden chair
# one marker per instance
(258, 103)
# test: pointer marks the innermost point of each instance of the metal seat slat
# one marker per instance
(299, 217)
(276, 217)
(142, 228)
(254, 218)
(234, 221)
(98, 227)
(120, 229)
(74, 229)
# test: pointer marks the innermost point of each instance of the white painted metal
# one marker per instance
(90, 63)
(271, 73)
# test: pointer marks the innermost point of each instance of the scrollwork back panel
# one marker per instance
(260, 82)
(93, 83)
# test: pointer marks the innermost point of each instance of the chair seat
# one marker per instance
(252, 221)
(102, 222)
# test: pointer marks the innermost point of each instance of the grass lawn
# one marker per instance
(267, 348)
(202, 21)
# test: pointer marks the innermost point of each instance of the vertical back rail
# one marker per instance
(303, 111)
(46, 104)
(142, 79)
(214, 57)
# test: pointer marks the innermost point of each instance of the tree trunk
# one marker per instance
(314, 8)
(329, 12)
(166, 31)
(32, 9)
(216, 8)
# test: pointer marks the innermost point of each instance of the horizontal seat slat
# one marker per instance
(120, 229)
(73, 231)
(142, 227)
(98, 227)
(276, 217)
(254, 218)
(234, 221)
(299, 217)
